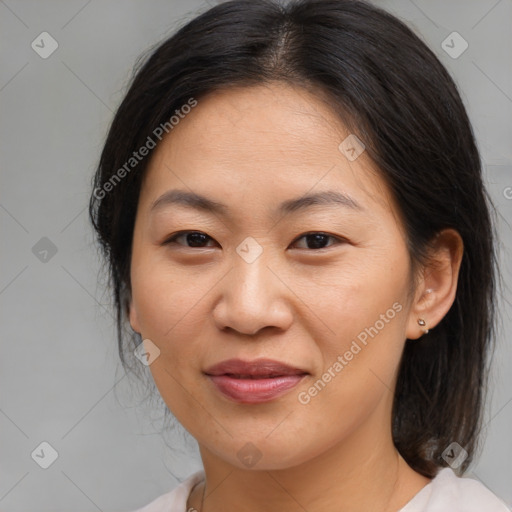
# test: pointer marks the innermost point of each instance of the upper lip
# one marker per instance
(258, 367)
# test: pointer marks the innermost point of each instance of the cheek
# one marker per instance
(171, 314)
(363, 308)
(364, 289)
(166, 300)
(359, 361)
(172, 310)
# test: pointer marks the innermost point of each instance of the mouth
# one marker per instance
(257, 376)
(258, 368)
(254, 382)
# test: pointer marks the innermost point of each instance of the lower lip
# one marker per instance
(254, 391)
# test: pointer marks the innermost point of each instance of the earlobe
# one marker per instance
(420, 317)
(134, 321)
(438, 287)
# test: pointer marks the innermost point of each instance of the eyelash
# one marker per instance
(175, 236)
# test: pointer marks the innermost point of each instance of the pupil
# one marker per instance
(196, 239)
(317, 241)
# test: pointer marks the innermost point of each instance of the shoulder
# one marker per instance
(175, 500)
(448, 492)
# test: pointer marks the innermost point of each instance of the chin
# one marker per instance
(263, 454)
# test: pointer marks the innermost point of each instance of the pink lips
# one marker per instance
(254, 381)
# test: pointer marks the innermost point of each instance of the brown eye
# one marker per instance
(192, 239)
(317, 240)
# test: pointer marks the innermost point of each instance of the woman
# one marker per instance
(291, 204)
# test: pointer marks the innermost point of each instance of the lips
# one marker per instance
(253, 382)
(257, 369)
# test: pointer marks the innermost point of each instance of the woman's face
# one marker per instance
(321, 285)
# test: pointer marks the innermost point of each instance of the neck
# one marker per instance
(362, 472)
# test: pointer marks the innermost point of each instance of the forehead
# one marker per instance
(256, 124)
(260, 143)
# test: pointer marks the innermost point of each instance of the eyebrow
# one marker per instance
(199, 202)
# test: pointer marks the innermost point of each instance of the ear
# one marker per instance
(132, 314)
(437, 285)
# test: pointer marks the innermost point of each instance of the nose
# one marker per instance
(253, 297)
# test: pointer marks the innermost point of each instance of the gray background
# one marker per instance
(60, 380)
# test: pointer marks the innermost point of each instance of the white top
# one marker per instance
(446, 492)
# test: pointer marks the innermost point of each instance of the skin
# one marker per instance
(251, 149)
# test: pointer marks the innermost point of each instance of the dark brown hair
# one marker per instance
(395, 95)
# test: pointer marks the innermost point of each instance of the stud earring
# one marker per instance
(422, 323)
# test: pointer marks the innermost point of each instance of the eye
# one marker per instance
(194, 238)
(317, 240)
(198, 239)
